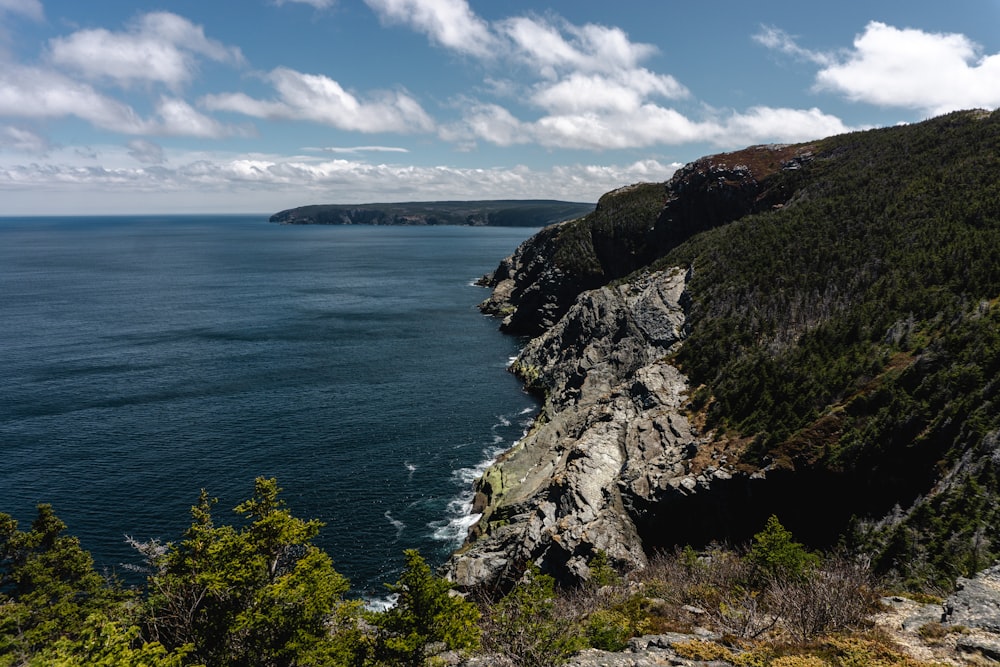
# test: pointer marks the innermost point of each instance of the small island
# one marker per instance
(491, 213)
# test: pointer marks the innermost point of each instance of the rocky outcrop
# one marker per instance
(612, 431)
(634, 225)
(613, 447)
(530, 292)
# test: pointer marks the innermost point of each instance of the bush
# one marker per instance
(425, 613)
(526, 628)
(777, 555)
(836, 597)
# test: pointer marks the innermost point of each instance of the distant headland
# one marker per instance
(491, 213)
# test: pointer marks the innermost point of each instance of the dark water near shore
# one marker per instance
(145, 358)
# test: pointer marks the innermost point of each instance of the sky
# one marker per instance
(254, 106)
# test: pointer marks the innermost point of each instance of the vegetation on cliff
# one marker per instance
(843, 331)
(856, 330)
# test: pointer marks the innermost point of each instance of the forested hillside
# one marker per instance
(842, 335)
(857, 329)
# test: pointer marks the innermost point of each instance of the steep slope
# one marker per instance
(631, 227)
(811, 331)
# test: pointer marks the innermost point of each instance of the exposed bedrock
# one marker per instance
(612, 431)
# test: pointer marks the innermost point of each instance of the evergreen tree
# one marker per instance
(48, 586)
(425, 613)
(259, 595)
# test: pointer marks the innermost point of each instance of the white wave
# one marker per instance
(397, 524)
(527, 411)
(458, 513)
(454, 530)
(409, 466)
(503, 421)
(380, 604)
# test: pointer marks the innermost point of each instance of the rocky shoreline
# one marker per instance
(611, 436)
(615, 448)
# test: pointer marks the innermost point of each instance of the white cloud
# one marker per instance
(768, 124)
(351, 150)
(22, 141)
(320, 99)
(216, 182)
(146, 152)
(178, 118)
(779, 40)
(159, 47)
(29, 8)
(31, 92)
(489, 122)
(318, 4)
(932, 72)
(450, 23)
(623, 92)
(588, 48)
(645, 126)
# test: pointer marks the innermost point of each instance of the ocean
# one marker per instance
(146, 358)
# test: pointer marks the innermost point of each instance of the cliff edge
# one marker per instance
(809, 330)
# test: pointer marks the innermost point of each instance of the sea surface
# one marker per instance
(143, 359)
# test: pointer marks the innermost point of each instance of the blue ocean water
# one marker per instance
(145, 358)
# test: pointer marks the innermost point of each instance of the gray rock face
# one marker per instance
(976, 602)
(612, 429)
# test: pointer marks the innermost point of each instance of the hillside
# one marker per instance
(782, 343)
(810, 331)
(494, 213)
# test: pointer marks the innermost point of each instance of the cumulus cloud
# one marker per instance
(318, 98)
(158, 47)
(33, 92)
(22, 141)
(646, 126)
(552, 48)
(782, 125)
(146, 152)
(623, 92)
(450, 23)
(266, 182)
(906, 68)
(931, 72)
(32, 9)
(175, 117)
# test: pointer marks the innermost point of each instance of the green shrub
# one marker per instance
(526, 628)
(777, 555)
(425, 613)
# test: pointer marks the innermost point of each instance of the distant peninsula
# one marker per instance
(491, 213)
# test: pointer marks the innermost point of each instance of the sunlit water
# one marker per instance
(143, 359)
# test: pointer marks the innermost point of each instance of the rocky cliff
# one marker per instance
(805, 330)
(613, 430)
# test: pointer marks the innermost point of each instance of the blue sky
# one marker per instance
(185, 106)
